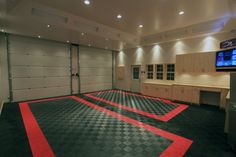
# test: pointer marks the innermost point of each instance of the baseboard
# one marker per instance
(1, 106)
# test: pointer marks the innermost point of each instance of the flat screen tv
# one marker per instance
(226, 60)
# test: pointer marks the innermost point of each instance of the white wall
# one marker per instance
(4, 86)
(232, 4)
(166, 53)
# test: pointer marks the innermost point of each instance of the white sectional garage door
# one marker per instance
(95, 69)
(38, 68)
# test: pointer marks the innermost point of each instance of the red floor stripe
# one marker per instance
(41, 148)
(38, 143)
(177, 149)
(164, 118)
(127, 108)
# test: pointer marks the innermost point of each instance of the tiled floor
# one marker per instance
(75, 129)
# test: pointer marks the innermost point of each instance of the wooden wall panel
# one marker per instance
(120, 72)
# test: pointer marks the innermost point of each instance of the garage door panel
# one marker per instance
(40, 52)
(95, 71)
(21, 45)
(97, 59)
(26, 71)
(57, 71)
(30, 94)
(97, 87)
(95, 82)
(94, 64)
(18, 59)
(22, 71)
(39, 68)
(89, 53)
(96, 79)
(24, 83)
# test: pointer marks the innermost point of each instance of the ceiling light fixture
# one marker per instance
(82, 33)
(87, 2)
(39, 36)
(48, 26)
(119, 16)
(140, 26)
(181, 13)
(67, 41)
(2, 30)
(89, 45)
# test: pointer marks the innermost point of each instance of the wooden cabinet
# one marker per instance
(157, 90)
(163, 91)
(147, 89)
(167, 92)
(195, 63)
(178, 93)
(184, 63)
(196, 95)
(186, 94)
(204, 63)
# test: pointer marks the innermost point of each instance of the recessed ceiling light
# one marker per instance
(82, 33)
(39, 36)
(2, 30)
(140, 26)
(87, 2)
(89, 45)
(119, 16)
(181, 12)
(48, 26)
(67, 41)
(106, 47)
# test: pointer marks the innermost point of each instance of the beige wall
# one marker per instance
(232, 4)
(4, 90)
(166, 53)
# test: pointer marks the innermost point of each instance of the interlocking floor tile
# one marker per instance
(72, 128)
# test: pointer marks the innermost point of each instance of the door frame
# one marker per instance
(77, 74)
(132, 79)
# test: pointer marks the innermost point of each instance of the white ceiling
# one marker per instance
(155, 15)
(68, 19)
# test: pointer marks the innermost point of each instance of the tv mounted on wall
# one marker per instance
(226, 60)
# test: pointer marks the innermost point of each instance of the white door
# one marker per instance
(135, 80)
(75, 69)
(95, 69)
(38, 68)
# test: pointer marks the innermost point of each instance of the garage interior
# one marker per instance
(127, 78)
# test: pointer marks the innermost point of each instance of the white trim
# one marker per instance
(1, 107)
